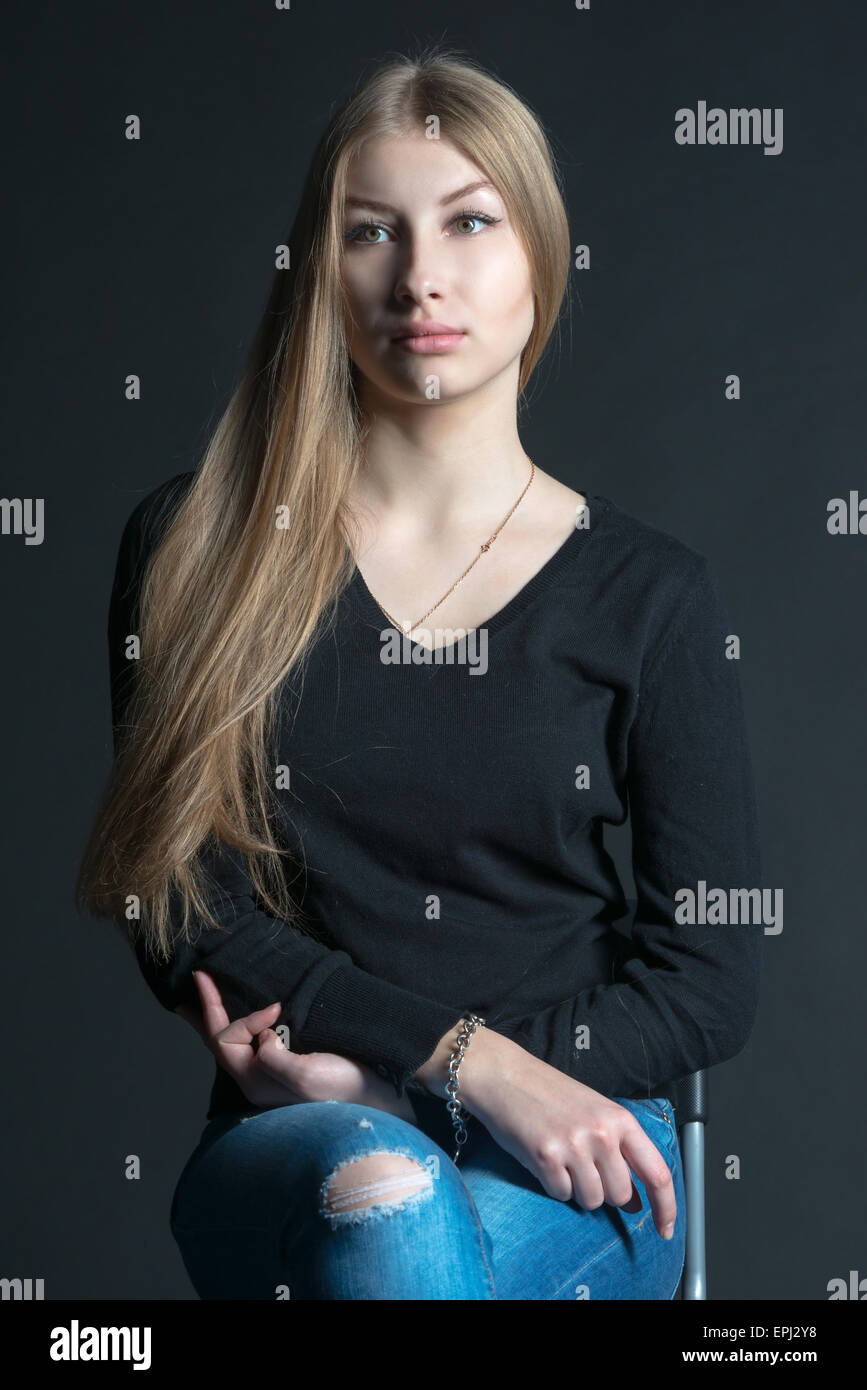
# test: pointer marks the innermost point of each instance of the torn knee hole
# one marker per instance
(384, 1180)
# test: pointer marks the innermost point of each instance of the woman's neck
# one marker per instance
(426, 494)
(435, 467)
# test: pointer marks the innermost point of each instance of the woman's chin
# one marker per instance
(431, 386)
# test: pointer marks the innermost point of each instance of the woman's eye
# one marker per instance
(359, 233)
(474, 217)
(365, 227)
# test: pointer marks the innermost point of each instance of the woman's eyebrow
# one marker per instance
(449, 198)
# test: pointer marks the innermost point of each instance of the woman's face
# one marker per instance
(419, 248)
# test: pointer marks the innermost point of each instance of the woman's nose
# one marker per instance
(421, 273)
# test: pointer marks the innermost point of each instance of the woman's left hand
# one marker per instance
(273, 1075)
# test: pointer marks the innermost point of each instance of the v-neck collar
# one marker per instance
(575, 543)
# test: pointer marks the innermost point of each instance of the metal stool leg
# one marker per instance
(691, 1120)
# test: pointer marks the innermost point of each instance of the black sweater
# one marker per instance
(450, 825)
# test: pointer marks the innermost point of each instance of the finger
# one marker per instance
(587, 1188)
(244, 1030)
(231, 1043)
(217, 1020)
(276, 1058)
(620, 1190)
(278, 1063)
(649, 1166)
(234, 1052)
(213, 1009)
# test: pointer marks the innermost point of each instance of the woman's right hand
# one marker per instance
(576, 1142)
(274, 1075)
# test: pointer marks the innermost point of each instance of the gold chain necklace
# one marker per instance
(482, 550)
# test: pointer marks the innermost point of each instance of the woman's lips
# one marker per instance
(430, 342)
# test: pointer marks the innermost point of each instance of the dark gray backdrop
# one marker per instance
(154, 257)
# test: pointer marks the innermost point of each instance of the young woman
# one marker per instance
(379, 680)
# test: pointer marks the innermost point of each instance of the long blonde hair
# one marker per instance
(230, 602)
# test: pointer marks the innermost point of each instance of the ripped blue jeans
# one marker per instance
(331, 1200)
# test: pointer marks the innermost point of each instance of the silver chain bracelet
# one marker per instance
(453, 1104)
